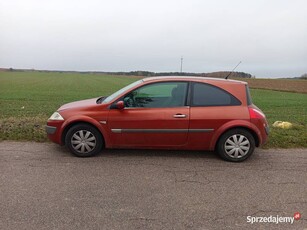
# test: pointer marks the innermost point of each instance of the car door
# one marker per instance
(155, 115)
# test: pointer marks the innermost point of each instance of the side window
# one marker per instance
(158, 95)
(209, 95)
(248, 96)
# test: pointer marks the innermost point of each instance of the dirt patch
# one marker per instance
(298, 86)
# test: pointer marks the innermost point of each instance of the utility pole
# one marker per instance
(181, 64)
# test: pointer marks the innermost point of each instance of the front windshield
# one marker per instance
(119, 92)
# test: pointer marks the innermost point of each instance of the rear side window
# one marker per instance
(209, 95)
(248, 96)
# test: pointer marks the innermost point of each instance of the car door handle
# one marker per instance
(180, 116)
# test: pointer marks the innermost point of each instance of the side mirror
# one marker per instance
(120, 105)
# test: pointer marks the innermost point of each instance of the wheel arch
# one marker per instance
(93, 123)
(245, 125)
(255, 136)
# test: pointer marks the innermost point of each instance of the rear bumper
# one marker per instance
(262, 130)
(267, 130)
(265, 134)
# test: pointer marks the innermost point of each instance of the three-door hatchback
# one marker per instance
(186, 113)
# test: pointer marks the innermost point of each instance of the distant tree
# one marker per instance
(304, 76)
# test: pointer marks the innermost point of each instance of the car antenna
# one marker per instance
(232, 70)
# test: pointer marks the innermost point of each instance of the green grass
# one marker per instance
(284, 106)
(42, 93)
(27, 99)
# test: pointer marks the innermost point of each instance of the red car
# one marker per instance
(186, 113)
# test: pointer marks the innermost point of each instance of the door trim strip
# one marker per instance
(162, 130)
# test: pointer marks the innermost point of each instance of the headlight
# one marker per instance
(56, 117)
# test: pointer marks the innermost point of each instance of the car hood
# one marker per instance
(79, 104)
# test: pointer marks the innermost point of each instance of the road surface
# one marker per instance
(44, 187)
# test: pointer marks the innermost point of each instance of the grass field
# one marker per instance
(27, 99)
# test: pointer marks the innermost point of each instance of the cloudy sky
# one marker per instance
(268, 36)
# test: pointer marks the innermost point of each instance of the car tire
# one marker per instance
(84, 140)
(236, 145)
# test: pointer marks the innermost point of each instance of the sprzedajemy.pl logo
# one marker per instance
(273, 219)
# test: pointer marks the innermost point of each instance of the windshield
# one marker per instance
(119, 92)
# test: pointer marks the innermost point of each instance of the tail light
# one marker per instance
(255, 113)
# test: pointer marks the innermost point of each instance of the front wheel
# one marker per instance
(236, 145)
(84, 140)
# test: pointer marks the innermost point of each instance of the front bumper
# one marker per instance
(50, 129)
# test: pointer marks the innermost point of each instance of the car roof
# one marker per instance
(191, 78)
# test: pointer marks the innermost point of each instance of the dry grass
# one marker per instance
(26, 128)
(288, 85)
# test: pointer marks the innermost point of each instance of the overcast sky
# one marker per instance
(268, 36)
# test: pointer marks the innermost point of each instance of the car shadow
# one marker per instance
(63, 151)
(157, 153)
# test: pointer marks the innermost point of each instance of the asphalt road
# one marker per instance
(44, 187)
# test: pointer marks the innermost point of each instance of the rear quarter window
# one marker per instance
(209, 95)
(248, 96)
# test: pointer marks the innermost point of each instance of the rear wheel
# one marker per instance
(236, 145)
(84, 140)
